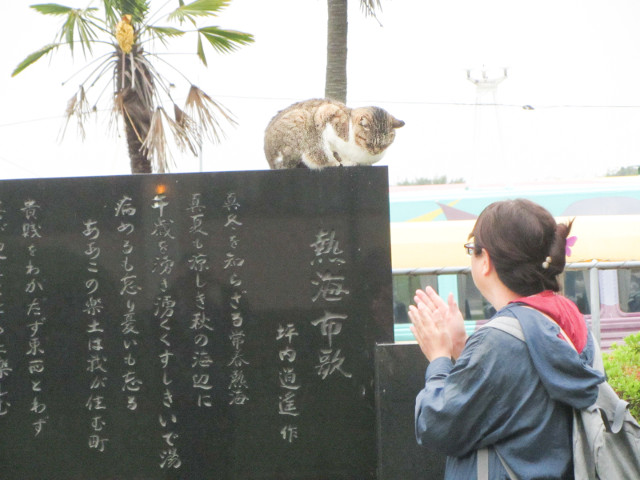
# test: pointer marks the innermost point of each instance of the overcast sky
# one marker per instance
(574, 64)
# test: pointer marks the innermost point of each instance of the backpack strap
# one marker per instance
(618, 417)
(509, 325)
(597, 355)
(512, 326)
(482, 465)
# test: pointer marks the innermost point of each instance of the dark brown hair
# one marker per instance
(519, 236)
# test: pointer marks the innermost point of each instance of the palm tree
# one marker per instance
(337, 26)
(130, 68)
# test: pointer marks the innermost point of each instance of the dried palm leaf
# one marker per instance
(77, 106)
(187, 133)
(117, 111)
(205, 110)
(155, 144)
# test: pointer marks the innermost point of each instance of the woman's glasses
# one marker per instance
(471, 248)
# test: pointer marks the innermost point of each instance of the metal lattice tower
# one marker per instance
(489, 163)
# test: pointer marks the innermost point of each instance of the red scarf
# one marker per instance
(563, 311)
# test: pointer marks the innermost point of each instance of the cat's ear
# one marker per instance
(395, 123)
(364, 122)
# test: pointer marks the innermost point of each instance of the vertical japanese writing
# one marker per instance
(164, 311)
(125, 211)
(34, 289)
(149, 323)
(233, 262)
(201, 324)
(5, 367)
(329, 292)
(96, 357)
(287, 400)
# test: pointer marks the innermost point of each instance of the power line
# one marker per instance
(34, 120)
(397, 102)
(21, 167)
(504, 105)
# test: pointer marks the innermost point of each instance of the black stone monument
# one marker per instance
(193, 326)
(400, 370)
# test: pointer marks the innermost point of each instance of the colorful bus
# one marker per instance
(429, 225)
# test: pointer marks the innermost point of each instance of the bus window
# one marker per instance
(404, 289)
(576, 284)
(629, 289)
(471, 303)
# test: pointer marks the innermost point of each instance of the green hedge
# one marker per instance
(622, 366)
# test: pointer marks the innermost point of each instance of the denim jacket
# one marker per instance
(508, 395)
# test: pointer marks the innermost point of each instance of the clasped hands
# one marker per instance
(437, 326)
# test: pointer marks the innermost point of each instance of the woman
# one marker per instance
(511, 397)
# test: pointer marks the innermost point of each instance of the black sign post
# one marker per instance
(193, 326)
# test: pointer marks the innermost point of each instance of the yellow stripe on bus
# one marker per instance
(425, 244)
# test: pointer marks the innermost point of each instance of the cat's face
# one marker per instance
(374, 128)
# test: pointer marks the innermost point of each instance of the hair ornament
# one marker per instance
(571, 241)
(546, 263)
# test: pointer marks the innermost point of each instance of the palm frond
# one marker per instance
(185, 131)
(199, 8)
(34, 57)
(162, 33)
(147, 79)
(200, 52)
(205, 111)
(117, 111)
(225, 41)
(369, 7)
(51, 9)
(79, 24)
(155, 145)
(138, 9)
(115, 9)
(167, 31)
(77, 106)
(111, 14)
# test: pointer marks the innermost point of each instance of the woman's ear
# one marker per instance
(486, 265)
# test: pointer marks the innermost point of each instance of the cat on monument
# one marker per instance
(321, 133)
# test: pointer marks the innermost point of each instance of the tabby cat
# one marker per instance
(321, 133)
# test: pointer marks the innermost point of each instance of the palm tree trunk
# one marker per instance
(336, 77)
(136, 108)
(136, 122)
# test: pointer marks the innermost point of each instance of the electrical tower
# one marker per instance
(489, 163)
